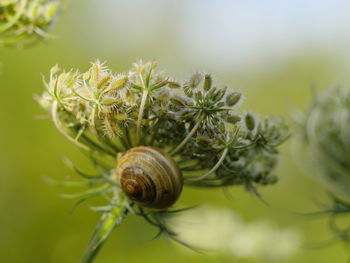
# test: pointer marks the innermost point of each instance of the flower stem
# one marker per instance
(194, 129)
(61, 129)
(127, 136)
(140, 117)
(114, 150)
(216, 166)
(104, 228)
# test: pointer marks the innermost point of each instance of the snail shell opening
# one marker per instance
(149, 177)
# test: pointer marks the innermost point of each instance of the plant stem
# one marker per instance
(194, 129)
(140, 117)
(104, 228)
(61, 129)
(217, 165)
(96, 133)
(127, 136)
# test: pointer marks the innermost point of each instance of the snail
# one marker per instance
(149, 177)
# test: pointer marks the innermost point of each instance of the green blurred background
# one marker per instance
(274, 52)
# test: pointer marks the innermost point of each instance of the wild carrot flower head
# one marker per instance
(194, 121)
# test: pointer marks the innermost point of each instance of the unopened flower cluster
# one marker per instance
(26, 19)
(195, 121)
(323, 149)
(324, 143)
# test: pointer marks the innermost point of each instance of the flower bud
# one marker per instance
(33, 10)
(233, 119)
(187, 90)
(173, 84)
(119, 82)
(109, 101)
(50, 11)
(195, 80)
(233, 98)
(207, 82)
(249, 122)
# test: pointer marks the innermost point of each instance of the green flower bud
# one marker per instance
(233, 98)
(198, 95)
(118, 83)
(173, 85)
(109, 101)
(187, 90)
(178, 101)
(207, 82)
(122, 116)
(222, 127)
(195, 80)
(233, 119)
(249, 122)
(33, 10)
(50, 11)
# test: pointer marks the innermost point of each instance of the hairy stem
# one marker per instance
(108, 222)
(184, 141)
(216, 166)
(61, 129)
(140, 117)
(127, 136)
(97, 134)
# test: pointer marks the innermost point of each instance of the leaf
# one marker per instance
(85, 175)
(103, 189)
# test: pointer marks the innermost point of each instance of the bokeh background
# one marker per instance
(273, 51)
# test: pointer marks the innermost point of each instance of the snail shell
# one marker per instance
(149, 177)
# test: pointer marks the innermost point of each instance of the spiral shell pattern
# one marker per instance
(149, 177)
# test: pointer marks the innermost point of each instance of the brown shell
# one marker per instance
(149, 177)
